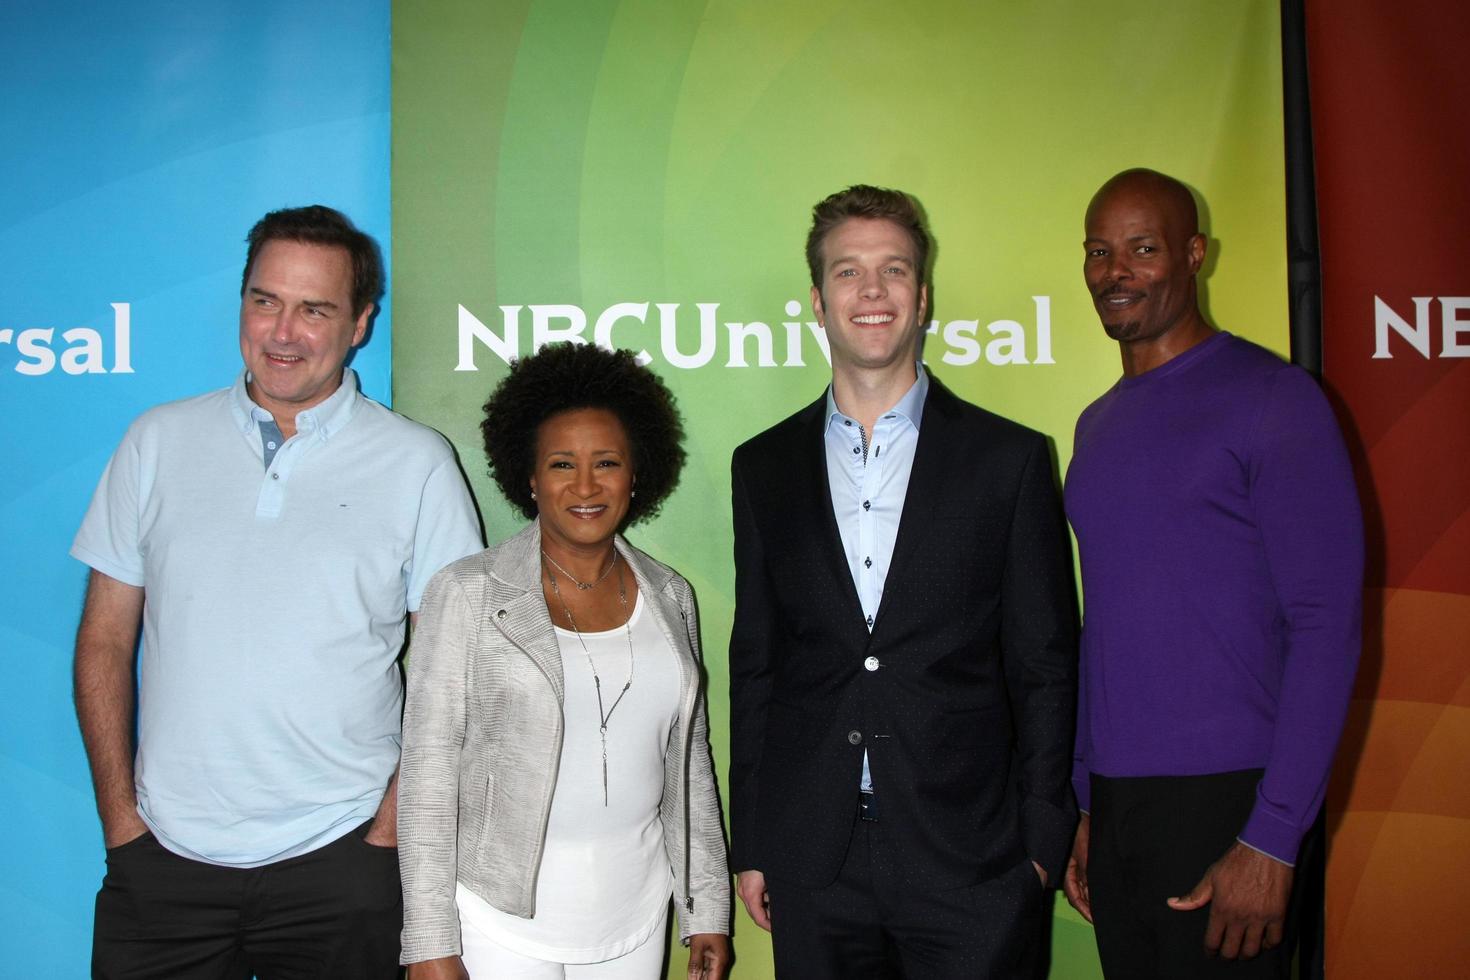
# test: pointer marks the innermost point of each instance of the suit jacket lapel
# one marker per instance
(816, 496)
(925, 479)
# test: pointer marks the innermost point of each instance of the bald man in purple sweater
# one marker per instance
(1222, 557)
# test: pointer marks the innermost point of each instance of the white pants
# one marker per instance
(486, 959)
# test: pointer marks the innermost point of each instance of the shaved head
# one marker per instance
(1173, 201)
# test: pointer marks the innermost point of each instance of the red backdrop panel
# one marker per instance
(1391, 120)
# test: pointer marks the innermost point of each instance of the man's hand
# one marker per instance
(751, 887)
(444, 968)
(709, 956)
(384, 831)
(121, 829)
(1247, 892)
(382, 834)
(1074, 882)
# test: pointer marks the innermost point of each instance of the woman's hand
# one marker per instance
(444, 968)
(709, 956)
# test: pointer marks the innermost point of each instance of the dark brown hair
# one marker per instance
(320, 225)
(866, 201)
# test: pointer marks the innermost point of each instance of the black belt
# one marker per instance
(867, 806)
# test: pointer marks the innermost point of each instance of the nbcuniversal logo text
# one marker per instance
(1454, 326)
(693, 340)
(82, 350)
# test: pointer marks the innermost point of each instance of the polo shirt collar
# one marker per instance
(325, 418)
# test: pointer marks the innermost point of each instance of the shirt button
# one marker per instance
(500, 614)
(867, 505)
(870, 622)
(855, 450)
(871, 663)
(854, 738)
(275, 476)
(847, 422)
(270, 445)
(867, 563)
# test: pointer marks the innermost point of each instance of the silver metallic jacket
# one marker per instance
(482, 736)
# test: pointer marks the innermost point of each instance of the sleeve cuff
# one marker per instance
(1272, 836)
(1047, 831)
(108, 567)
(1259, 851)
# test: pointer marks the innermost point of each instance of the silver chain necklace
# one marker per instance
(603, 716)
(581, 586)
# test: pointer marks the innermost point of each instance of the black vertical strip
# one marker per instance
(1303, 269)
(1304, 283)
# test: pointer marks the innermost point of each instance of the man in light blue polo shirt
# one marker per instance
(271, 539)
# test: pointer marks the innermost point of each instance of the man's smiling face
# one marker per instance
(1141, 257)
(872, 299)
(297, 324)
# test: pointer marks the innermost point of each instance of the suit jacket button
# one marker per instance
(871, 663)
(855, 738)
(500, 614)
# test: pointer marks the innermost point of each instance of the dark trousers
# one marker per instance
(1152, 838)
(333, 913)
(872, 922)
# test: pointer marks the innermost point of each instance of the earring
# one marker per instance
(633, 494)
(533, 494)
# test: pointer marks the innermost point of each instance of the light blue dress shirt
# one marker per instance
(868, 474)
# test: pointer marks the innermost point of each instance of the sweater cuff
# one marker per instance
(1272, 836)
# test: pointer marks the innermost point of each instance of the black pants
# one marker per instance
(333, 913)
(871, 923)
(1152, 839)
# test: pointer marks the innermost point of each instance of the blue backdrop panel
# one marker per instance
(141, 142)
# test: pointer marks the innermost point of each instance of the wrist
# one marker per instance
(119, 814)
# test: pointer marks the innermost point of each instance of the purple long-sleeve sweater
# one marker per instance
(1222, 569)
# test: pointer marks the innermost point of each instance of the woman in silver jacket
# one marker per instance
(556, 786)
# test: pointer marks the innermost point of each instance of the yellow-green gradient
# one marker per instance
(583, 154)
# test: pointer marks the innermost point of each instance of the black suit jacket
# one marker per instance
(968, 720)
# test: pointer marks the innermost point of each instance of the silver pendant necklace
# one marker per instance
(581, 586)
(603, 716)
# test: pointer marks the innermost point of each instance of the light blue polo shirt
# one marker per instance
(269, 700)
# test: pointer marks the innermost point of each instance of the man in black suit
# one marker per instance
(903, 656)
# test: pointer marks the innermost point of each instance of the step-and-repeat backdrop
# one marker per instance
(641, 174)
(141, 142)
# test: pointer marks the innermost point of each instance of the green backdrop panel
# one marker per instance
(641, 173)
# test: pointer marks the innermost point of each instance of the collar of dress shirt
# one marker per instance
(909, 407)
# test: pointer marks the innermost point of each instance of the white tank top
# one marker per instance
(604, 880)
